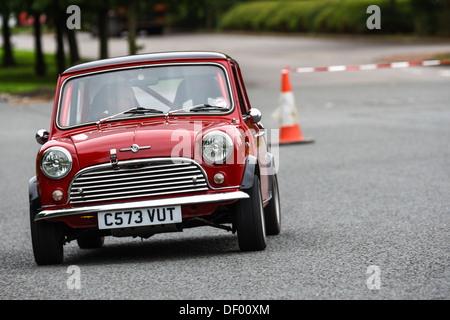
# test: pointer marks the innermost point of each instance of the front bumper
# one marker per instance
(187, 200)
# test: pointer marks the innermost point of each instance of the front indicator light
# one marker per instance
(57, 195)
(219, 178)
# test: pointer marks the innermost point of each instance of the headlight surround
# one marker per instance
(217, 147)
(56, 162)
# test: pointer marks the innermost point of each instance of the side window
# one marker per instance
(70, 112)
(240, 93)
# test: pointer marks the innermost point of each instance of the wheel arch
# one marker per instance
(251, 168)
(34, 198)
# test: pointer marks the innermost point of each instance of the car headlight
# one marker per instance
(217, 147)
(56, 162)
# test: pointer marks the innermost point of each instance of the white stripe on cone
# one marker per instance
(286, 112)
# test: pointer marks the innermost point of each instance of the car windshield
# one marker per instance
(143, 92)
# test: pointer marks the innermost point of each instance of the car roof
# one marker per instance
(148, 57)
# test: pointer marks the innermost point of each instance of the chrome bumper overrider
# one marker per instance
(204, 198)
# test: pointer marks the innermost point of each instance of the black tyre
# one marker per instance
(47, 241)
(273, 210)
(250, 222)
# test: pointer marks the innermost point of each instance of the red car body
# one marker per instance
(103, 173)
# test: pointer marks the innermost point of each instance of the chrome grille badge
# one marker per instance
(134, 148)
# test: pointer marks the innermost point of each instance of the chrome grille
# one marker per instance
(137, 179)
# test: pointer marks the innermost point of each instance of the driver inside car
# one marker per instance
(112, 99)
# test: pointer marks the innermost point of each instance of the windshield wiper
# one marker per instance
(206, 107)
(174, 111)
(143, 110)
(99, 122)
(200, 107)
(134, 110)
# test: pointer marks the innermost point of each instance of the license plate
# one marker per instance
(139, 217)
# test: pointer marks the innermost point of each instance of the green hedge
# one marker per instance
(318, 16)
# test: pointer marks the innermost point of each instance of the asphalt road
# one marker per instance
(371, 193)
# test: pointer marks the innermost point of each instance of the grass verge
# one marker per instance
(22, 78)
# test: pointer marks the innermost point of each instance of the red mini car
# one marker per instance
(152, 143)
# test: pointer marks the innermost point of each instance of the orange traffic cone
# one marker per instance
(286, 114)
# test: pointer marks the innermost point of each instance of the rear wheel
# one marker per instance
(272, 210)
(250, 222)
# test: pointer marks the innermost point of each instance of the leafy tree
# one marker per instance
(431, 17)
(198, 14)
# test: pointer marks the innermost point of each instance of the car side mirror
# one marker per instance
(42, 136)
(254, 115)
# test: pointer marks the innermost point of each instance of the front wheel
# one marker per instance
(47, 240)
(250, 222)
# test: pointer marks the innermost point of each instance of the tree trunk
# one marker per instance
(103, 30)
(132, 25)
(60, 54)
(73, 46)
(39, 65)
(58, 14)
(8, 58)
